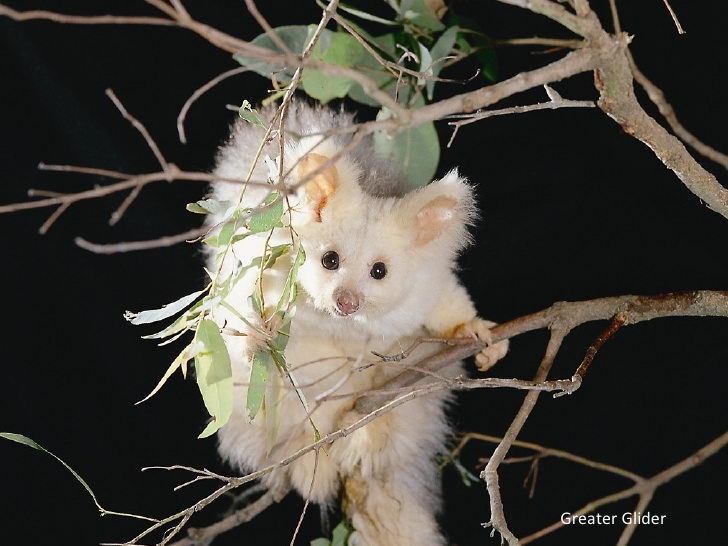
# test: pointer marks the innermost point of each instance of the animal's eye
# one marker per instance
(330, 260)
(379, 271)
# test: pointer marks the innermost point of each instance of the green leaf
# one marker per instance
(251, 115)
(214, 375)
(366, 16)
(154, 315)
(268, 215)
(180, 361)
(255, 303)
(417, 13)
(209, 206)
(261, 367)
(294, 36)
(179, 325)
(324, 87)
(416, 150)
(371, 67)
(339, 48)
(441, 49)
(284, 333)
(466, 476)
(281, 363)
(341, 534)
(271, 409)
(24, 440)
(288, 294)
(321, 542)
(227, 230)
(425, 64)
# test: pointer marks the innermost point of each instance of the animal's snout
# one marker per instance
(347, 301)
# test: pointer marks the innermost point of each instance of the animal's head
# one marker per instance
(375, 260)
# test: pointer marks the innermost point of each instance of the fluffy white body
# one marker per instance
(359, 209)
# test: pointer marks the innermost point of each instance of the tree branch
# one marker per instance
(204, 535)
(668, 112)
(131, 246)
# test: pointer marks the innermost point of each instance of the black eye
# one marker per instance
(379, 271)
(330, 260)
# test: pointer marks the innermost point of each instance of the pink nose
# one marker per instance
(347, 301)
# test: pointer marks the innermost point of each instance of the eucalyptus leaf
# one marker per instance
(271, 411)
(416, 150)
(227, 231)
(425, 65)
(341, 534)
(442, 48)
(251, 115)
(281, 363)
(29, 442)
(366, 16)
(321, 542)
(338, 48)
(214, 375)
(178, 325)
(372, 68)
(261, 367)
(180, 361)
(294, 36)
(280, 342)
(24, 440)
(255, 302)
(288, 294)
(268, 215)
(154, 315)
(419, 14)
(271, 257)
(209, 206)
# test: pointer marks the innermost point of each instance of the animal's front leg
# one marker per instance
(479, 329)
(455, 316)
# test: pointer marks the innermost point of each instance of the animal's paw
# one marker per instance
(480, 330)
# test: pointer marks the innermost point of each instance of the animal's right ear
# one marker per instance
(320, 180)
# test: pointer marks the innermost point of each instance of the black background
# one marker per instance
(572, 209)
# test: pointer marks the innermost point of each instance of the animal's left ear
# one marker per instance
(319, 187)
(442, 210)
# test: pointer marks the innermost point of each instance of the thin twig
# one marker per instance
(272, 34)
(139, 126)
(490, 474)
(131, 181)
(658, 98)
(674, 17)
(43, 15)
(131, 246)
(198, 93)
(204, 535)
(308, 498)
(544, 451)
(52, 218)
(560, 43)
(615, 17)
(556, 102)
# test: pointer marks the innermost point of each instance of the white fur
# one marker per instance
(390, 478)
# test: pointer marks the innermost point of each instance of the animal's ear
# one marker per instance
(442, 210)
(320, 181)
